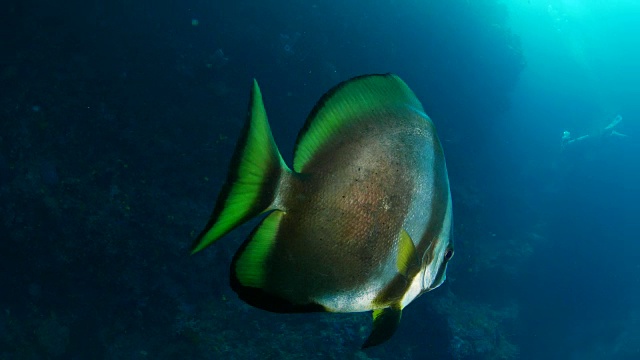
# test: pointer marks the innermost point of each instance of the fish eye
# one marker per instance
(448, 255)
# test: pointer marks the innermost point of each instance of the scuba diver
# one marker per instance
(606, 133)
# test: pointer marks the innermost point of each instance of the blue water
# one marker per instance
(118, 120)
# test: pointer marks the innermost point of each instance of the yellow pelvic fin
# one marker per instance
(385, 323)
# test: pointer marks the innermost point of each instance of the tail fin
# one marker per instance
(252, 182)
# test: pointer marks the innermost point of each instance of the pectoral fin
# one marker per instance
(407, 261)
(385, 323)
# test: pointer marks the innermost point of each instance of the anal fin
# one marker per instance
(250, 270)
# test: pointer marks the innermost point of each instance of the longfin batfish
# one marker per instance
(363, 220)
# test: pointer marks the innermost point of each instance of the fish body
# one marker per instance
(363, 220)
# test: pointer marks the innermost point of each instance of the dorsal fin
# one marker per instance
(348, 102)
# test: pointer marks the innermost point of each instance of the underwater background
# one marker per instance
(117, 124)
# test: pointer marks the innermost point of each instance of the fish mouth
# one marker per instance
(427, 271)
(439, 280)
(435, 279)
(434, 271)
